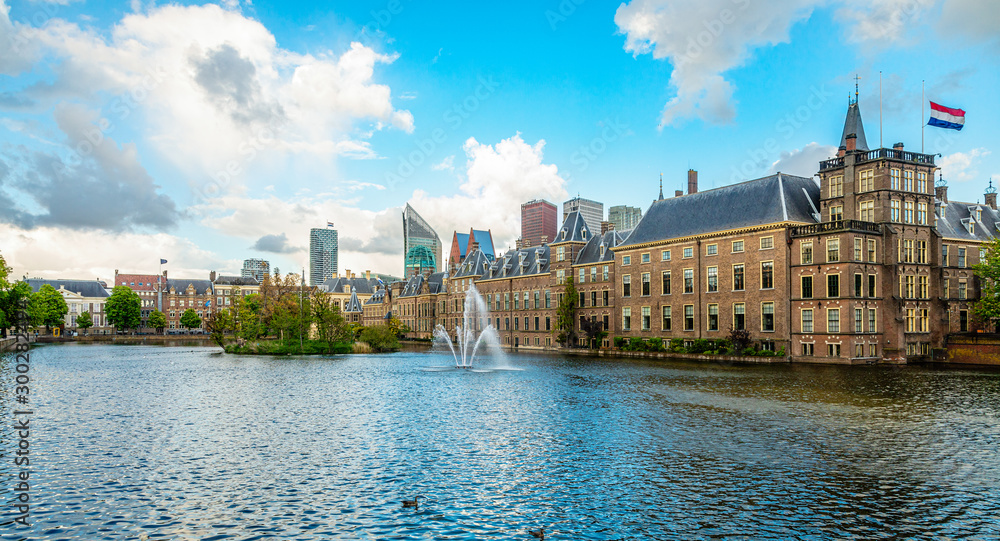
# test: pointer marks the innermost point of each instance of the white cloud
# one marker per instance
(961, 166)
(970, 20)
(884, 22)
(803, 162)
(447, 164)
(498, 179)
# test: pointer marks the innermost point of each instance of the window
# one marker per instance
(871, 285)
(737, 246)
(961, 257)
(583, 277)
(836, 213)
(767, 275)
(517, 321)
(894, 179)
(583, 299)
(807, 320)
(922, 213)
(859, 322)
(859, 285)
(921, 251)
(833, 286)
(908, 212)
(645, 258)
(894, 210)
(688, 252)
(739, 316)
(923, 321)
(833, 350)
(688, 317)
(866, 181)
(645, 318)
(666, 318)
(548, 324)
(713, 317)
(908, 181)
(909, 291)
(871, 321)
(833, 320)
(626, 319)
(832, 250)
(626, 260)
(866, 211)
(537, 300)
(517, 301)
(593, 298)
(604, 274)
(963, 321)
(665, 255)
(858, 251)
(807, 287)
(593, 274)
(836, 186)
(767, 317)
(666, 283)
(766, 243)
(808, 349)
(561, 253)
(605, 295)
(739, 283)
(560, 275)
(548, 299)
(525, 300)
(688, 280)
(907, 251)
(963, 293)
(944, 255)
(911, 320)
(536, 324)
(627, 285)
(871, 250)
(806, 253)
(713, 279)
(645, 284)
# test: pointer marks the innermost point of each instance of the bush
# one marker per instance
(655, 344)
(619, 342)
(700, 345)
(380, 338)
(749, 351)
(781, 352)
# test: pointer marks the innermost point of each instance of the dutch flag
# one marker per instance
(946, 117)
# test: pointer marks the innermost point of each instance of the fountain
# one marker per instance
(474, 332)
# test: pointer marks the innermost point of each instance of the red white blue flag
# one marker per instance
(946, 117)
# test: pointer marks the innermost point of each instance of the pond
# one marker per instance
(131, 442)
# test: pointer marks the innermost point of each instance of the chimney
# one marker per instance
(545, 239)
(941, 192)
(692, 181)
(607, 226)
(368, 275)
(211, 277)
(678, 193)
(841, 151)
(898, 146)
(475, 246)
(852, 142)
(991, 197)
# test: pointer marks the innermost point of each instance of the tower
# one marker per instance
(323, 248)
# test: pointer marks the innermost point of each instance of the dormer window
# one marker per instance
(563, 234)
(943, 208)
(972, 227)
(583, 233)
(979, 214)
(602, 250)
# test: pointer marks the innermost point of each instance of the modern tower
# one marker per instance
(421, 244)
(538, 222)
(591, 211)
(256, 269)
(322, 254)
(624, 217)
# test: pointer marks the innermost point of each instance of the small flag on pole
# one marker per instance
(163, 262)
(329, 224)
(946, 117)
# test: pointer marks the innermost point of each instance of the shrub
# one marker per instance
(676, 343)
(620, 342)
(380, 338)
(700, 345)
(655, 344)
(749, 351)
(781, 352)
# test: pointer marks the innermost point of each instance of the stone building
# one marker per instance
(147, 287)
(182, 294)
(80, 296)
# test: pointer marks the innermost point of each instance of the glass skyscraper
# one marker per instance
(322, 254)
(421, 244)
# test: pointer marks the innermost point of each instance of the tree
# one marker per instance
(190, 319)
(218, 324)
(594, 330)
(987, 308)
(739, 338)
(84, 321)
(158, 321)
(244, 319)
(330, 324)
(380, 338)
(50, 306)
(566, 315)
(123, 308)
(398, 327)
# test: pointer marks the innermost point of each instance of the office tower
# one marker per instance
(624, 217)
(538, 222)
(255, 268)
(322, 254)
(592, 211)
(421, 244)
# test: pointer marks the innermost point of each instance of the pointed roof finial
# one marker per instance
(857, 78)
(661, 186)
(991, 189)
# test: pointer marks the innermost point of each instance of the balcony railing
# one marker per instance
(837, 226)
(831, 163)
(877, 154)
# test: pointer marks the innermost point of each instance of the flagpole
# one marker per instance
(922, 123)
(880, 109)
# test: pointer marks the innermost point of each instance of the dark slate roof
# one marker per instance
(523, 262)
(852, 124)
(591, 253)
(361, 285)
(767, 200)
(84, 288)
(475, 265)
(353, 305)
(574, 229)
(236, 281)
(416, 282)
(377, 298)
(181, 285)
(958, 215)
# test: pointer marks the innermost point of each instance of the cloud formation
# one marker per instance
(276, 244)
(962, 166)
(803, 162)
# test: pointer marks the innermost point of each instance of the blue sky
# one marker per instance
(206, 134)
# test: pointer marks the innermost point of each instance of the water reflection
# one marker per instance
(182, 444)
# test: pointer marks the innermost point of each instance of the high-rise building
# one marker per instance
(322, 254)
(624, 217)
(538, 222)
(592, 211)
(421, 244)
(256, 269)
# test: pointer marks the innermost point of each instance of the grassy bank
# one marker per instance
(286, 347)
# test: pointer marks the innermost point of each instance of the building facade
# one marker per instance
(323, 253)
(80, 296)
(421, 245)
(624, 218)
(539, 221)
(257, 268)
(462, 244)
(147, 286)
(591, 211)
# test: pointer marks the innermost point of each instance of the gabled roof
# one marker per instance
(574, 229)
(361, 285)
(236, 281)
(485, 240)
(353, 305)
(591, 253)
(523, 262)
(852, 124)
(475, 265)
(377, 298)
(773, 199)
(83, 288)
(957, 216)
(181, 285)
(415, 284)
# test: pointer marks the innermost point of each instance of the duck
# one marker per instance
(412, 503)
(539, 533)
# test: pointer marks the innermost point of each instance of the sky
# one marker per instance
(206, 134)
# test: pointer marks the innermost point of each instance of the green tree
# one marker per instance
(158, 321)
(330, 324)
(220, 322)
(124, 308)
(245, 318)
(594, 330)
(566, 315)
(987, 308)
(50, 307)
(84, 321)
(398, 327)
(190, 319)
(381, 338)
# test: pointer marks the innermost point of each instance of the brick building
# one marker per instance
(539, 221)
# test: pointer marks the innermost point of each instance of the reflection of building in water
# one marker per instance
(421, 244)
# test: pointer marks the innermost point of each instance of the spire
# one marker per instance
(853, 124)
(661, 186)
